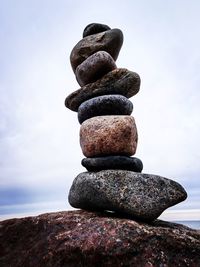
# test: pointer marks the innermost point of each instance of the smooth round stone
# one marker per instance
(112, 162)
(109, 41)
(104, 105)
(119, 81)
(108, 135)
(93, 28)
(94, 67)
(142, 196)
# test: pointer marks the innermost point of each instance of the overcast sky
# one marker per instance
(39, 138)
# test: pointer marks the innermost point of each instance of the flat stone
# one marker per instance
(80, 238)
(112, 162)
(93, 28)
(142, 196)
(104, 105)
(108, 135)
(109, 41)
(94, 67)
(119, 81)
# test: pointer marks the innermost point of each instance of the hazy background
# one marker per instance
(39, 138)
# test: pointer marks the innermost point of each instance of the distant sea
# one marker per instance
(191, 224)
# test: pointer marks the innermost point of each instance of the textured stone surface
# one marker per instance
(104, 105)
(143, 196)
(108, 135)
(93, 28)
(94, 67)
(118, 81)
(109, 41)
(113, 162)
(86, 239)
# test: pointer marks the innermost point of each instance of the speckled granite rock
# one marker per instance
(104, 105)
(94, 67)
(87, 239)
(118, 81)
(108, 135)
(112, 162)
(143, 196)
(109, 41)
(93, 28)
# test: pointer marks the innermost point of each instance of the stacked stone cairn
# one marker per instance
(108, 134)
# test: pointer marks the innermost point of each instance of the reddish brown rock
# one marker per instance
(94, 67)
(109, 41)
(86, 239)
(108, 135)
(119, 81)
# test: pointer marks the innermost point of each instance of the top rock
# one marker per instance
(109, 41)
(93, 28)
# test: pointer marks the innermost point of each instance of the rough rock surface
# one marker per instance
(104, 105)
(109, 41)
(142, 196)
(93, 28)
(86, 239)
(112, 162)
(94, 67)
(119, 81)
(108, 135)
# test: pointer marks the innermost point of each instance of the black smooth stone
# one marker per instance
(112, 162)
(93, 28)
(104, 105)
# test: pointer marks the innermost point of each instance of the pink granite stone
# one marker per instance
(108, 135)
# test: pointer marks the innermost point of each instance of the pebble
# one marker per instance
(93, 28)
(112, 162)
(104, 105)
(94, 67)
(141, 196)
(109, 41)
(108, 135)
(119, 81)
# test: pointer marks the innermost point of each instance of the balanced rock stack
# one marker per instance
(108, 134)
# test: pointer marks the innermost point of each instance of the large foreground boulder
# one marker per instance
(81, 238)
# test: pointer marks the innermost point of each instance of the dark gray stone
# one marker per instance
(109, 41)
(119, 81)
(142, 196)
(93, 28)
(94, 67)
(112, 162)
(104, 105)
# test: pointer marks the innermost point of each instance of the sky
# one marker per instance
(40, 153)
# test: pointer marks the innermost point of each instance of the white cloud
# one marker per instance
(39, 136)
